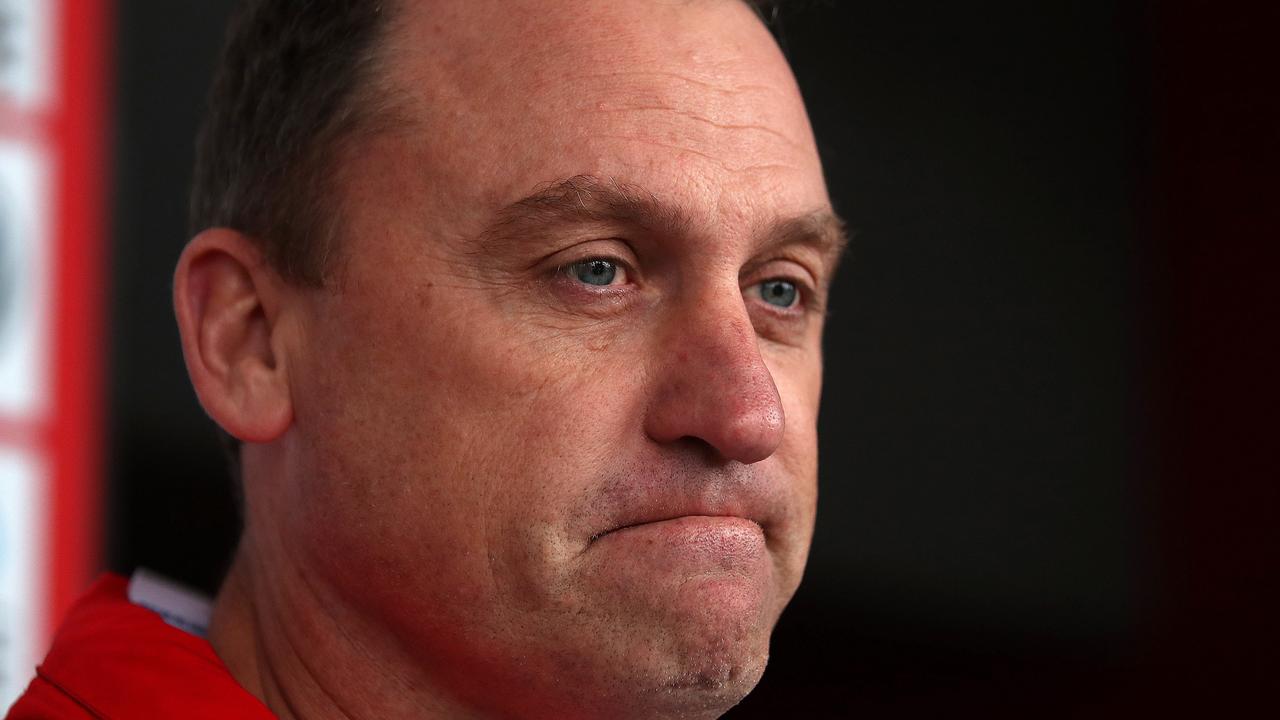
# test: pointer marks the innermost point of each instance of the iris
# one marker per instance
(779, 292)
(595, 272)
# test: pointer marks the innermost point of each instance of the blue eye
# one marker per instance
(779, 292)
(595, 272)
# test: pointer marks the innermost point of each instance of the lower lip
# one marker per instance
(729, 540)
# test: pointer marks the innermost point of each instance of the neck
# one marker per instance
(308, 658)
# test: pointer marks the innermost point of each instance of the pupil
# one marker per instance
(597, 272)
(779, 292)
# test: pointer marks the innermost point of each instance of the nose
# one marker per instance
(713, 386)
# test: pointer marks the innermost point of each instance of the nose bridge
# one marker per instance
(714, 385)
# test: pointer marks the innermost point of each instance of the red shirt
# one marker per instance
(113, 659)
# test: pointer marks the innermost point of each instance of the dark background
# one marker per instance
(1044, 436)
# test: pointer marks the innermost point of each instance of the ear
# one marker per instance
(228, 303)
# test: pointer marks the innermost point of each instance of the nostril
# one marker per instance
(697, 447)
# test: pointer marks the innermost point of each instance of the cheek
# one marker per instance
(798, 376)
(449, 453)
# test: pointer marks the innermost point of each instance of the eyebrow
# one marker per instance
(590, 199)
(822, 230)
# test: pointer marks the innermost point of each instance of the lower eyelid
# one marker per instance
(575, 291)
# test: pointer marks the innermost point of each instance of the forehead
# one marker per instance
(544, 45)
(688, 99)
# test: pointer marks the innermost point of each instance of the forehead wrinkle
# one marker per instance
(713, 159)
(696, 117)
(735, 89)
(735, 127)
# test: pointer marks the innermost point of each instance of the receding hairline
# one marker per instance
(372, 106)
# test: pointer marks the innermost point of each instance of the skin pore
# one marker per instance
(545, 446)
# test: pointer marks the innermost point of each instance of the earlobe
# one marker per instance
(228, 303)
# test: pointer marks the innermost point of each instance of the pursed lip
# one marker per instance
(653, 521)
(746, 492)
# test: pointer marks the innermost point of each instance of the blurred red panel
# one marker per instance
(54, 87)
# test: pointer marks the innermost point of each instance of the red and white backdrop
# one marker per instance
(53, 128)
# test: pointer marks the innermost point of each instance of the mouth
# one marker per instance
(687, 507)
(725, 520)
(707, 546)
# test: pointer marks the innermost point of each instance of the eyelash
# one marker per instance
(566, 271)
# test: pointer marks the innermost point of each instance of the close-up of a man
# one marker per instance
(513, 310)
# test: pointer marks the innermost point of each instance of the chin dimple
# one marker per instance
(721, 674)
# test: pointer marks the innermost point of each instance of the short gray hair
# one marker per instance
(294, 81)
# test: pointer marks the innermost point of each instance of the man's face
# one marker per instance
(555, 418)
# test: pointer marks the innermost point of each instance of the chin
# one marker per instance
(715, 648)
(716, 671)
(682, 666)
(722, 681)
(710, 670)
(705, 687)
